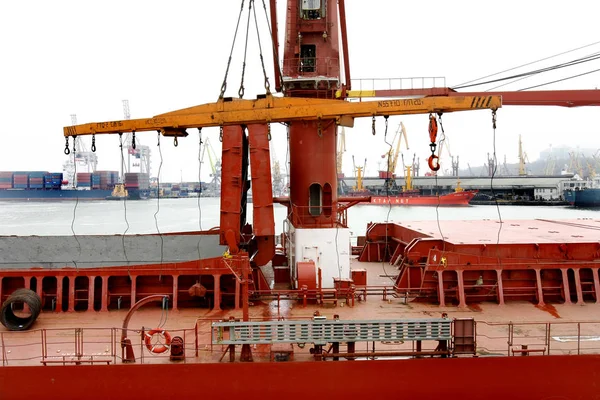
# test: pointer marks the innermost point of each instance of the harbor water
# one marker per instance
(192, 214)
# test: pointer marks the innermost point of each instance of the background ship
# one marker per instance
(409, 196)
(459, 198)
(42, 185)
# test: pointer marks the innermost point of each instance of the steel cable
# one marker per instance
(437, 206)
(492, 185)
(241, 89)
(262, 61)
(387, 194)
(162, 242)
(124, 207)
(200, 190)
(275, 50)
(591, 57)
(224, 84)
(76, 204)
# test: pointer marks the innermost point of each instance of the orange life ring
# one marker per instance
(158, 347)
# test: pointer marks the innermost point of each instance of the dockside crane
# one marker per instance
(215, 167)
(135, 149)
(358, 173)
(392, 156)
(523, 159)
(550, 164)
(341, 149)
(575, 164)
(84, 160)
(416, 164)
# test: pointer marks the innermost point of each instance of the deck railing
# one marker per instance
(74, 346)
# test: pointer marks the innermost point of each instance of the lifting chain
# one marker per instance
(269, 132)
(93, 143)
(262, 61)
(224, 85)
(158, 138)
(241, 89)
(221, 134)
(494, 118)
(67, 151)
(121, 141)
(74, 140)
(433, 161)
(133, 140)
(373, 126)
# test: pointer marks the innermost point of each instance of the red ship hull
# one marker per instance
(451, 199)
(487, 378)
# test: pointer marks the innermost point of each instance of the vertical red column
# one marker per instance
(233, 183)
(104, 306)
(91, 293)
(71, 294)
(59, 293)
(313, 174)
(133, 290)
(263, 218)
(175, 291)
(217, 292)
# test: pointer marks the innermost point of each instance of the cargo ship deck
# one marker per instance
(523, 342)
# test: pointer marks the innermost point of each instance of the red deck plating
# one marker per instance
(541, 260)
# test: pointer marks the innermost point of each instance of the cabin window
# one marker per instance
(311, 9)
(308, 58)
(315, 200)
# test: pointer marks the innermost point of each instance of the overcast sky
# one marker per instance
(84, 57)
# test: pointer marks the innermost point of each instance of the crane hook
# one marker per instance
(434, 162)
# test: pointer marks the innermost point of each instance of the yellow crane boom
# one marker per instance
(270, 109)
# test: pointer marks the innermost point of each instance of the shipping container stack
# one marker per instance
(6, 180)
(84, 180)
(21, 180)
(105, 179)
(53, 181)
(137, 180)
(36, 179)
(95, 181)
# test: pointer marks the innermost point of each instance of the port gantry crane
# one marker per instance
(313, 106)
(392, 156)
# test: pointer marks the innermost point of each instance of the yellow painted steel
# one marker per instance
(282, 109)
(356, 94)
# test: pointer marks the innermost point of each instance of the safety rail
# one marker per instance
(329, 331)
(349, 294)
(538, 338)
(65, 346)
(312, 216)
(417, 82)
(317, 66)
